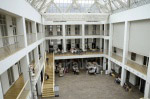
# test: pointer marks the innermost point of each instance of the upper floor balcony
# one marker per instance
(53, 30)
(31, 38)
(116, 57)
(10, 45)
(136, 66)
(19, 90)
(40, 35)
(73, 30)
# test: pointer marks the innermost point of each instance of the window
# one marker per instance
(10, 75)
(30, 23)
(39, 51)
(68, 30)
(28, 26)
(94, 30)
(3, 30)
(19, 68)
(77, 29)
(86, 29)
(59, 29)
(133, 56)
(77, 41)
(14, 26)
(37, 27)
(145, 61)
(115, 50)
(50, 30)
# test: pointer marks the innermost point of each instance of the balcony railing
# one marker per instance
(92, 34)
(54, 34)
(136, 66)
(79, 34)
(40, 35)
(116, 57)
(10, 45)
(31, 38)
(19, 90)
(24, 93)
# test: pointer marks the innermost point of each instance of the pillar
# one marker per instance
(64, 40)
(125, 52)
(147, 85)
(39, 87)
(83, 39)
(1, 91)
(104, 63)
(64, 44)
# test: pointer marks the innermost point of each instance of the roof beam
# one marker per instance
(72, 4)
(40, 8)
(122, 3)
(49, 4)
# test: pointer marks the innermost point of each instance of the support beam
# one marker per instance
(42, 5)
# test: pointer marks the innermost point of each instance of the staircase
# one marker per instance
(48, 86)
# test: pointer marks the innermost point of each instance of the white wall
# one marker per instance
(139, 58)
(138, 13)
(5, 82)
(132, 79)
(15, 70)
(21, 8)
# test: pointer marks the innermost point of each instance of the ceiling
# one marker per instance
(78, 6)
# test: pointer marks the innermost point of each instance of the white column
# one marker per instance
(64, 40)
(105, 30)
(105, 46)
(110, 46)
(64, 44)
(83, 39)
(1, 91)
(25, 67)
(110, 39)
(147, 85)
(101, 29)
(100, 44)
(123, 76)
(125, 52)
(34, 30)
(22, 29)
(104, 63)
(36, 55)
(39, 87)
(109, 66)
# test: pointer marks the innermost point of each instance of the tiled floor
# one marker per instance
(85, 86)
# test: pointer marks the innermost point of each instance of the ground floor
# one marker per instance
(85, 86)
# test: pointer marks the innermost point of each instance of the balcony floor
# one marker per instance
(117, 57)
(140, 68)
(84, 53)
(15, 89)
(9, 50)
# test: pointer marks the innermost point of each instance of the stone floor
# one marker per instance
(86, 86)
